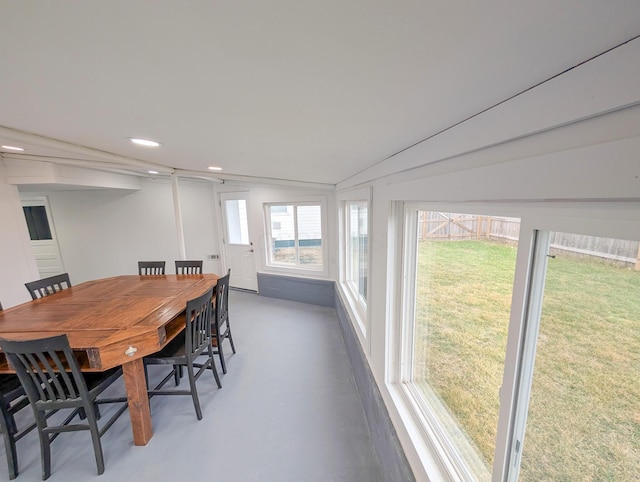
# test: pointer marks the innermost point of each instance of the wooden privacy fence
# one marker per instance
(439, 225)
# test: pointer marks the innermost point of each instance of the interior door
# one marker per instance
(238, 249)
(43, 236)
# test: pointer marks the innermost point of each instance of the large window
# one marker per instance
(463, 285)
(295, 236)
(354, 233)
(357, 248)
(520, 347)
(583, 418)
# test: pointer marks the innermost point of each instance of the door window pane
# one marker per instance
(464, 279)
(37, 223)
(237, 222)
(583, 420)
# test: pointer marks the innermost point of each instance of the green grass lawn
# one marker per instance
(584, 417)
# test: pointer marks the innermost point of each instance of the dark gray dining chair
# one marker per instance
(182, 351)
(48, 286)
(189, 267)
(221, 330)
(151, 267)
(52, 380)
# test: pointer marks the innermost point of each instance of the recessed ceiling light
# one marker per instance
(144, 142)
(215, 168)
(13, 148)
(153, 172)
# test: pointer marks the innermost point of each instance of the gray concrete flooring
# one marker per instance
(288, 410)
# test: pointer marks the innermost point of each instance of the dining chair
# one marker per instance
(52, 380)
(150, 267)
(221, 330)
(182, 351)
(189, 267)
(48, 286)
(12, 400)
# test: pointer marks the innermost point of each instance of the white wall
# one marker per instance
(261, 194)
(106, 232)
(17, 263)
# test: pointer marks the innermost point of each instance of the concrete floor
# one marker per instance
(289, 410)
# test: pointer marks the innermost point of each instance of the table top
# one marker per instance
(109, 321)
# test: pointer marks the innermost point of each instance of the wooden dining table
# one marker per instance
(112, 322)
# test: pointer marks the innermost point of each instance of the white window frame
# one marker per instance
(614, 220)
(354, 303)
(299, 269)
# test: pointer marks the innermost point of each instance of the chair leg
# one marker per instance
(233, 347)
(12, 455)
(95, 439)
(194, 392)
(45, 445)
(219, 341)
(8, 428)
(178, 373)
(213, 367)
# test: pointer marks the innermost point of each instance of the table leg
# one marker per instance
(136, 387)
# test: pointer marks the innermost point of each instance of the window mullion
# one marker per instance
(296, 240)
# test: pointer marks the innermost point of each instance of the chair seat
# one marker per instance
(101, 379)
(175, 349)
(10, 384)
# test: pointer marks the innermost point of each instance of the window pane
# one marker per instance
(357, 246)
(37, 223)
(583, 421)
(464, 280)
(283, 238)
(310, 236)
(237, 223)
(296, 235)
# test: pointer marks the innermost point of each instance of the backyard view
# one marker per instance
(584, 414)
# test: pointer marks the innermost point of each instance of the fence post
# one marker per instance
(638, 260)
(488, 232)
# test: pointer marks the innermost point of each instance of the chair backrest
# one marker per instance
(198, 325)
(222, 300)
(48, 286)
(189, 267)
(47, 370)
(151, 267)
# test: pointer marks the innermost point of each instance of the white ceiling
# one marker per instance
(301, 90)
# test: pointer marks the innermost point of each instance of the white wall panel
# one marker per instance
(17, 263)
